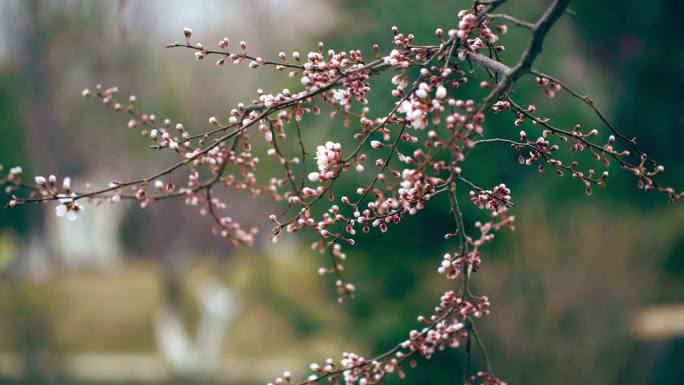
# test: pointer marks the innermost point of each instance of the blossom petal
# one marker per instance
(60, 210)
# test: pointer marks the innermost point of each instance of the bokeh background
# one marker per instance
(586, 290)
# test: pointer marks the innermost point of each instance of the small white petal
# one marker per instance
(441, 92)
(60, 210)
(314, 176)
(66, 183)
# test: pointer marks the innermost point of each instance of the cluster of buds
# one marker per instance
(451, 266)
(420, 104)
(12, 178)
(415, 190)
(470, 261)
(320, 71)
(355, 82)
(541, 152)
(484, 378)
(445, 328)
(398, 59)
(497, 200)
(467, 23)
(550, 87)
(539, 149)
(233, 232)
(473, 258)
(473, 30)
(328, 156)
(68, 207)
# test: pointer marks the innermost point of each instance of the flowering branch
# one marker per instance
(429, 132)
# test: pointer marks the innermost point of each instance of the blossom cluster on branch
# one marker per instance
(412, 154)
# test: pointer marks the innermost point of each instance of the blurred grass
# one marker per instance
(288, 310)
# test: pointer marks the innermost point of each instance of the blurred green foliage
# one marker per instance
(12, 151)
(631, 65)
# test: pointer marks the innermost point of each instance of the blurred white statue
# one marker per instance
(90, 242)
(203, 355)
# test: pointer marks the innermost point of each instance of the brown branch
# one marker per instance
(515, 21)
(227, 54)
(539, 32)
(486, 61)
(591, 105)
(634, 169)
